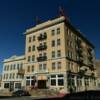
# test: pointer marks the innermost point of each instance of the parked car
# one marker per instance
(20, 93)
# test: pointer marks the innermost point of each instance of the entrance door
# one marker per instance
(42, 84)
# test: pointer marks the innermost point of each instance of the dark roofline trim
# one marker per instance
(78, 33)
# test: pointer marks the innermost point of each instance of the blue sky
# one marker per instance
(18, 15)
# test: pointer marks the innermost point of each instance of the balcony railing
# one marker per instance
(21, 71)
(42, 37)
(42, 58)
(42, 47)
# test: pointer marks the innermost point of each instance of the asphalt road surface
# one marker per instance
(18, 98)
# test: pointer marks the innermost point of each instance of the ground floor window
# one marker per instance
(53, 82)
(79, 81)
(71, 80)
(6, 85)
(57, 80)
(30, 81)
(60, 82)
(18, 85)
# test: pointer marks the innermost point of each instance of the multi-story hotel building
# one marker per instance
(12, 76)
(57, 56)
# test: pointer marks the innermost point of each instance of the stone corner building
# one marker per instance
(57, 56)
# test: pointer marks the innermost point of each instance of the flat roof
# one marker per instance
(54, 22)
(14, 58)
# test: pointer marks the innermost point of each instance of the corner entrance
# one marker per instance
(42, 84)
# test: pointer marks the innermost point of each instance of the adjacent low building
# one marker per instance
(13, 73)
(57, 56)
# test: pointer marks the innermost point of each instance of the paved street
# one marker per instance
(18, 98)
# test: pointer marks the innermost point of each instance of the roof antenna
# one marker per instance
(38, 21)
(61, 13)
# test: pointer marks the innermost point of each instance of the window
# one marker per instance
(29, 39)
(10, 67)
(53, 76)
(45, 33)
(13, 75)
(60, 82)
(14, 66)
(33, 57)
(6, 85)
(28, 69)
(45, 54)
(44, 66)
(53, 82)
(33, 48)
(29, 49)
(45, 43)
(32, 68)
(29, 58)
(71, 44)
(21, 66)
(58, 42)
(27, 82)
(53, 32)
(40, 54)
(18, 85)
(7, 67)
(70, 54)
(33, 38)
(58, 30)
(10, 76)
(58, 53)
(53, 43)
(18, 66)
(40, 67)
(69, 66)
(53, 54)
(53, 66)
(59, 65)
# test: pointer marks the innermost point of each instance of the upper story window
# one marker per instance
(32, 68)
(44, 53)
(58, 53)
(30, 38)
(59, 65)
(40, 66)
(29, 49)
(18, 66)
(33, 57)
(58, 30)
(29, 58)
(53, 32)
(70, 54)
(33, 38)
(28, 69)
(10, 67)
(40, 55)
(21, 66)
(53, 54)
(58, 41)
(7, 67)
(33, 48)
(53, 43)
(44, 66)
(53, 66)
(14, 66)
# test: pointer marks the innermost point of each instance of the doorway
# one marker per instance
(42, 84)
